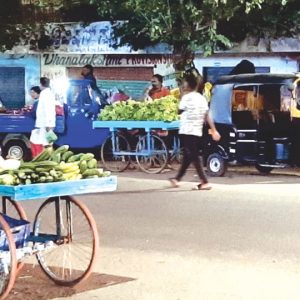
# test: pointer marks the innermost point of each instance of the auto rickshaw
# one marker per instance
(254, 114)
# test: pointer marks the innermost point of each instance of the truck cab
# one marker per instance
(73, 128)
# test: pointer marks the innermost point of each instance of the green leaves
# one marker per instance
(186, 25)
(164, 109)
(209, 25)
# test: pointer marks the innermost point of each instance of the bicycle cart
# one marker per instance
(150, 151)
(64, 238)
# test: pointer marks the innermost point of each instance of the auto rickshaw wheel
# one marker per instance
(216, 165)
(263, 169)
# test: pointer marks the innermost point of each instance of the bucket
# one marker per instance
(282, 152)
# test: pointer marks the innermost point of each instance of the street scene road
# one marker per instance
(240, 240)
(100, 103)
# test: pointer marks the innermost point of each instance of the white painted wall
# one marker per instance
(277, 64)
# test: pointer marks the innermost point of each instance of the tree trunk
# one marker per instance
(183, 63)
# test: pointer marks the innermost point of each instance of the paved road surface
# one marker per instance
(240, 241)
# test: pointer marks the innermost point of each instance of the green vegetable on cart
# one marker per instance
(163, 109)
(51, 166)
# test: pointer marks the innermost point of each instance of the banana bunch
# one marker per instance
(54, 165)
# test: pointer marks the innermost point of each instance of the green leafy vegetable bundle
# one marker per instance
(163, 109)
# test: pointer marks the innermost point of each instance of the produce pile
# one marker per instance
(51, 166)
(163, 109)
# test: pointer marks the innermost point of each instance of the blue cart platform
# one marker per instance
(62, 188)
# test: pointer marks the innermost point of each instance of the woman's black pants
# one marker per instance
(191, 154)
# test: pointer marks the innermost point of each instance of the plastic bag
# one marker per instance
(51, 136)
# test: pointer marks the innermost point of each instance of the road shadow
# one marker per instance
(230, 178)
(32, 283)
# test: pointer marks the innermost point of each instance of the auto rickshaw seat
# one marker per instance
(243, 119)
(282, 124)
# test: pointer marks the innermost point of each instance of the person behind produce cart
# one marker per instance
(88, 73)
(45, 119)
(193, 109)
(157, 89)
(35, 92)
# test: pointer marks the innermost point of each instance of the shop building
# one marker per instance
(73, 45)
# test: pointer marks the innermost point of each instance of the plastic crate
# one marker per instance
(20, 230)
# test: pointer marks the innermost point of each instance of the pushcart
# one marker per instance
(64, 235)
(151, 152)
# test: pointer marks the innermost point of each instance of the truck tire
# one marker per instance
(216, 165)
(16, 149)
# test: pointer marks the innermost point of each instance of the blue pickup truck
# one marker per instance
(74, 128)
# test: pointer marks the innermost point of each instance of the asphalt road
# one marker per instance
(240, 240)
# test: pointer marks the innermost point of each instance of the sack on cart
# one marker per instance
(20, 230)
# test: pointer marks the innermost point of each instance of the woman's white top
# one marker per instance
(194, 108)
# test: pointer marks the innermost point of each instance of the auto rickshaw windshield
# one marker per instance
(220, 105)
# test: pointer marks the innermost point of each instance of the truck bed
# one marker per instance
(10, 123)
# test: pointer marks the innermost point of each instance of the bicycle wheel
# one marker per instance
(112, 162)
(8, 259)
(75, 240)
(12, 208)
(157, 160)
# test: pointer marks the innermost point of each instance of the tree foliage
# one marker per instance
(188, 25)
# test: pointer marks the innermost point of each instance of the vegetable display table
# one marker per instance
(64, 236)
(150, 150)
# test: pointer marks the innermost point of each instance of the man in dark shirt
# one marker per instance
(88, 74)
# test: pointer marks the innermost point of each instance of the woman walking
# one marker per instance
(193, 110)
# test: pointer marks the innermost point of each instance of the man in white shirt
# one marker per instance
(45, 118)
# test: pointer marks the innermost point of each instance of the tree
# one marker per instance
(186, 25)
(18, 20)
(190, 25)
(274, 19)
(10, 12)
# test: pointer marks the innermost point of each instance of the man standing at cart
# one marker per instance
(45, 118)
(157, 90)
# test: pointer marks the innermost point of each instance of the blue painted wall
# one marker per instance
(31, 65)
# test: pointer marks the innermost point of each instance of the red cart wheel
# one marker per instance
(8, 261)
(14, 210)
(71, 227)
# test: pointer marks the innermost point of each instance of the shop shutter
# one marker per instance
(12, 87)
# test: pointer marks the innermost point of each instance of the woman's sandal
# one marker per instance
(200, 187)
(174, 183)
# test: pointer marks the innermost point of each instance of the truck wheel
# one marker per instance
(17, 150)
(263, 169)
(216, 165)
